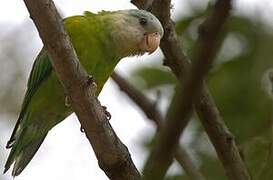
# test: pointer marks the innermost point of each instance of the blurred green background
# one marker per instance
(241, 82)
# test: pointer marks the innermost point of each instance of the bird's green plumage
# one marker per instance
(100, 41)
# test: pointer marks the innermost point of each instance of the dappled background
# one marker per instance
(240, 82)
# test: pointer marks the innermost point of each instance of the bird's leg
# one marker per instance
(107, 114)
(89, 81)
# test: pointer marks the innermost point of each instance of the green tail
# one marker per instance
(25, 145)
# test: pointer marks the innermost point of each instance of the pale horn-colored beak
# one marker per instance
(150, 42)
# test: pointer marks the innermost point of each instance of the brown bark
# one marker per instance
(179, 63)
(152, 113)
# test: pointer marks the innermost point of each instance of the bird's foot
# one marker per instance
(107, 114)
(91, 81)
(67, 101)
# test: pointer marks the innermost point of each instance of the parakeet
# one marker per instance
(100, 41)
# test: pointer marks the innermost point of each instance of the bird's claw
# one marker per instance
(91, 81)
(107, 114)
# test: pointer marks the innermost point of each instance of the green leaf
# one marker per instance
(154, 77)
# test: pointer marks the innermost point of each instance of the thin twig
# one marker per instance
(148, 107)
(227, 151)
(152, 113)
(112, 154)
(182, 157)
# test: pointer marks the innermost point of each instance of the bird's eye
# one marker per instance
(143, 21)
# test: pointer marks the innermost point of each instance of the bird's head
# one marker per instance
(136, 32)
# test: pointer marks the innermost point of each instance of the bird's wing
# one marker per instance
(41, 69)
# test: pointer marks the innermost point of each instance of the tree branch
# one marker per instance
(208, 113)
(112, 154)
(153, 114)
(179, 63)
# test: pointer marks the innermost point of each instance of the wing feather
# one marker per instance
(41, 69)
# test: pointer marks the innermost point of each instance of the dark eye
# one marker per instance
(143, 21)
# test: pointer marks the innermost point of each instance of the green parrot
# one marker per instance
(100, 41)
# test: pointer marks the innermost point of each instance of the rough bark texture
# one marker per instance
(113, 156)
(221, 137)
(152, 113)
(180, 65)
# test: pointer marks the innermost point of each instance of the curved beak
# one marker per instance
(150, 42)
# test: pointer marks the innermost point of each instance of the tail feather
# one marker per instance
(26, 155)
(23, 150)
(11, 141)
(15, 150)
(17, 130)
(10, 160)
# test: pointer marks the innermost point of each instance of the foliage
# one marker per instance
(236, 85)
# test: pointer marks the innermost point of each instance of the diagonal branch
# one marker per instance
(181, 108)
(152, 113)
(208, 113)
(112, 154)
